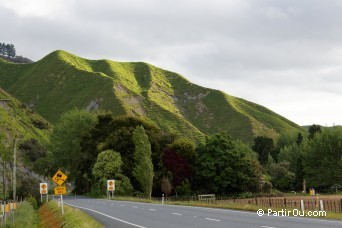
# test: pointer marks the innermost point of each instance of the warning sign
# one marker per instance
(60, 190)
(43, 188)
(110, 185)
(59, 178)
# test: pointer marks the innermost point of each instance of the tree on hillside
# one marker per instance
(7, 50)
(143, 169)
(323, 159)
(108, 166)
(313, 130)
(227, 166)
(263, 146)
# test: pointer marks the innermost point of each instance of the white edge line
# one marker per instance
(213, 219)
(230, 210)
(120, 220)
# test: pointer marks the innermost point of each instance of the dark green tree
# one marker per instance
(65, 141)
(116, 133)
(299, 139)
(281, 176)
(313, 130)
(10, 50)
(323, 159)
(143, 166)
(108, 166)
(226, 166)
(263, 146)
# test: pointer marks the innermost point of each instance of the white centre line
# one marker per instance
(213, 219)
(268, 227)
(104, 203)
(152, 209)
(176, 214)
(112, 204)
(134, 207)
(122, 205)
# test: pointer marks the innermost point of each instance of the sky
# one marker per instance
(283, 54)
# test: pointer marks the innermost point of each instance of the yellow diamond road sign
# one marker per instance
(60, 190)
(59, 178)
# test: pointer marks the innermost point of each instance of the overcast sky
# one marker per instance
(285, 55)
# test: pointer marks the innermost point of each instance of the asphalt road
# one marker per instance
(124, 214)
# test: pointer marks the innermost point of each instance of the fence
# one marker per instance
(333, 205)
(312, 203)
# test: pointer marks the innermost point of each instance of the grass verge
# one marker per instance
(52, 215)
(25, 216)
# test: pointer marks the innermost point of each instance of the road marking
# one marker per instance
(229, 211)
(152, 209)
(134, 207)
(122, 205)
(176, 214)
(268, 227)
(213, 219)
(120, 220)
(104, 203)
(112, 204)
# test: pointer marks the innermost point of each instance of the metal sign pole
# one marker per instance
(62, 204)
(41, 198)
(47, 197)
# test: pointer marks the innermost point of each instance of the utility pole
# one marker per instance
(3, 178)
(15, 169)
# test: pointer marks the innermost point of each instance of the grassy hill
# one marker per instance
(17, 119)
(61, 81)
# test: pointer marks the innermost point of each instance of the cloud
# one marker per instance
(281, 54)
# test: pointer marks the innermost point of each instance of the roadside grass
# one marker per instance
(232, 206)
(25, 216)
(72, 217)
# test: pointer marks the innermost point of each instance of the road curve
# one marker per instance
(112, 213)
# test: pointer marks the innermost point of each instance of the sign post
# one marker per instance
(59, 178)
(43, 190)
(110, 187)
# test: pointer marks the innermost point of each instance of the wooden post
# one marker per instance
(304, 186)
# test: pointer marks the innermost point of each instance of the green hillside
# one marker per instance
(16, 119)
(62, 81)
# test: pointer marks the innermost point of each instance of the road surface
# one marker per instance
(124, 214)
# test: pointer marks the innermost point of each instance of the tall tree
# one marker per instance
(313, 130)
(263, 146)
(65, 140)
(143, 170)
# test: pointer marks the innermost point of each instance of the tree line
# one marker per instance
(144, 160)
(7, 50)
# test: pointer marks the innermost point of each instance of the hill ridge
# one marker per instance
(61, 81)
